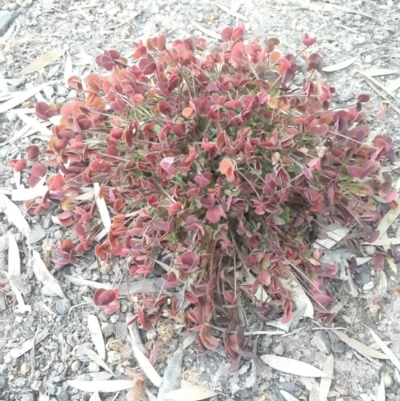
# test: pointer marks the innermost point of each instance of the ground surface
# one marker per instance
(84, 28)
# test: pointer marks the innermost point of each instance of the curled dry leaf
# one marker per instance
(292, 366)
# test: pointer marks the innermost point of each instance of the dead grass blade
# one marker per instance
(67, 68)
(26, 346)
(342, 65)
(101, 386)
(97, 336)
(378, 72)
(375, 82)
(388, 352)
(14, 215)
(233, 13)
(362, 349)
(143, 361)
(101, 204)
(326, 382)
(191, 393)
(35, 124)
(14, 260)
(44, 276)
(287, 396)
(292, 366)
(381, 395)
(80, 282)
(384, 242)
(23, 194)
(96, 358)
(208, 32)
(43, 61)
(21, 97)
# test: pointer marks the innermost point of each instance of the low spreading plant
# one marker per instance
(216, 159)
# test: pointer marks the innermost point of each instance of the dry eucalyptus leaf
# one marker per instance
(43, 61)
(35, 124)
(96, 358)
(392, 86)
(326, 382)
(14, 215)
(101, 386)
(44, 276)
(381, 396)
(206, 31)
(388, 352)
(335, 233)
(23, 194)
(191, 393)
(377, 72)
(231, 12)
(287, 396)
(359, 347)
(26, 346)
(95, 397)
(101, 204)
(97, 336)
(292, 366)
(340, 66)
(172, 376)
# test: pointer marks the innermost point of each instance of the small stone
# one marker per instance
(65, 357)
(3, 244)
(27, 397)
(121, 331)
(3, 305)
(368, 60)
(37, 233)
(114, 318)
(321, 341)
(12, 6)
(105, 268)
(63, 395)
(59, 378)
(76, 365)
(25, 368)
(47, 292)
(279, 349)
(361, 40)
(81, 354)
(338, 347)
(369, 286)
(2, 381)
(113, 357)
(362, 275)
(151, 334)
(93, 367)
(63, 306)
(107, 329)
(388, 380)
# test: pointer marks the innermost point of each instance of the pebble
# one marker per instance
(65, 357)
(151, 334)
(25, 368)
(362, 275)
(388, 380)
(321, 341)
(93, 367)
(2, 381)
(361, 40)
(121, 331)
(80, 353)
(63, 306)
(114, 318)
(47, 292)
(368, 60)
(107, 329)
(76, 365)
(27, 397)
(338, 347)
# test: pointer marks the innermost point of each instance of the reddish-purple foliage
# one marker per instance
(215, 159)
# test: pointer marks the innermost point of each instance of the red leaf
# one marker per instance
(33, 152)
(379, 262)
(167, 165)
(213, 215)
(175, 209)
(188, 260)
(285, 65)
(44, 111)
(226, 34)
(38, 170)
(307, 41)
